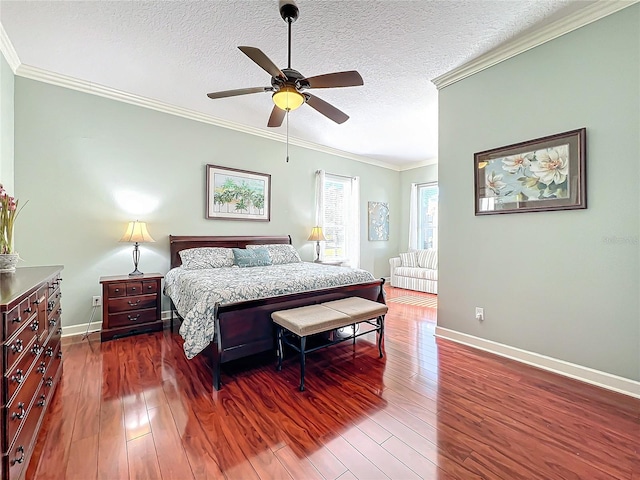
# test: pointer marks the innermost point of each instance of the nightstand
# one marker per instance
(130, 305)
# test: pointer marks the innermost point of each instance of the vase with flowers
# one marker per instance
(8, 213)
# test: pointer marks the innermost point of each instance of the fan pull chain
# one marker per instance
(287, 136)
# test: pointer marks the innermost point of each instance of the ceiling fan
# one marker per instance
(289, 86)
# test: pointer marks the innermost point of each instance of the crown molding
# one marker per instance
(534, 38)
(422, 163)
(45, 76)
(6, 47)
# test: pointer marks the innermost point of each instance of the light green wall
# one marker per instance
(564, 284)
(6, 124)
(407, 177)
(79, 156)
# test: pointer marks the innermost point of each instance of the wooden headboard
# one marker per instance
(178, 243)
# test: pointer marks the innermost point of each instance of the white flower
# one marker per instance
(517, 162)
(495, 184)
(552, 165)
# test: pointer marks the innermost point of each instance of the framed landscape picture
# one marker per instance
(545, 174)
(234, 194)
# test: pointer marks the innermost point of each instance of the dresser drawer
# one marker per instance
(128, 304)
(14, 348)
(132, 318)
(17, 376)
(17, 409)
(20, 451)
(134, 288)
(16, 317)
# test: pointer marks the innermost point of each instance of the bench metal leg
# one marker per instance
(303, 345)
(280, 347)
(353, 327)
(380, 333)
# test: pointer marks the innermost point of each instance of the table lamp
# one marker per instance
(317, 236)
(136, 233)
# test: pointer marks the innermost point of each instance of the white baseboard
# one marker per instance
(567, 369)
(72, 330)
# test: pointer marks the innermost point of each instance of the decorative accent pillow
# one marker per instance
(206, 257)
(428, 258)
(280, 253)
(256, 257)
(409, 259)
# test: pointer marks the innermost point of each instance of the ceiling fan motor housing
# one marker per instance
(289, 11)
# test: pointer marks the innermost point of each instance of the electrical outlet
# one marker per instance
(97, 301)
(479, 314)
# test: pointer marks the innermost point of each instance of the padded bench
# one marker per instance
(312, 319)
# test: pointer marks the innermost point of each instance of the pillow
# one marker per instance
(428, 258)
(409, 259)
(206, 257)
(280, 253)
(257, 257)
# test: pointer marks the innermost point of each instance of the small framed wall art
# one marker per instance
(378, 221)
(544, 174)
(234, 194)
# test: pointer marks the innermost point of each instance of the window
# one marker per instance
(428, 215)
(338, 215)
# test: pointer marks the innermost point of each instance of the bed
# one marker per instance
(236, 328)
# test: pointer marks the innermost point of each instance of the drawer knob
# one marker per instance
(48, 352)
(36, 349)
(133, 304)
(49, 382)
(42, 368)
(117, 290)
(18, 377)
(20, 459)
(34, 326)
(42, 402)
(16, 347)
(20, 415)
(133, 319)
(27, 310)
(18, 319)
(53, 322)
(59, 354)
(59, 331)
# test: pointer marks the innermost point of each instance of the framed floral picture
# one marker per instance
(378, 221)
(234, 194)
(544, 174)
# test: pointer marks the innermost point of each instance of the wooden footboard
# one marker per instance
(246, 328)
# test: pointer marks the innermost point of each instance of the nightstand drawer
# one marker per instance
(117, 290)
(134, 288)
(132, 318)
(128, 304)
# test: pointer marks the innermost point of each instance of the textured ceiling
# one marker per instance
(177, 51)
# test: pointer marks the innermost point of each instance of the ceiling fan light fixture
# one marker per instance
(288, 98)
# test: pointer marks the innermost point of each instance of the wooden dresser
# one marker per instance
(130, 305)
(31, 359)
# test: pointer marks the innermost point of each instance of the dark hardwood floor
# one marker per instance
(137, 408)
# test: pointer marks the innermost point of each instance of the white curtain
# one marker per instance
(353, 232)
(320, 177)
(413, 218)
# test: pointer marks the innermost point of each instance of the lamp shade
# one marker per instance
(316, 235)
(288, 98)
(137, 232)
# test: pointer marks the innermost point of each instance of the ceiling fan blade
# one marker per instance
(338, 79)
(276, 118)
(263, 61)
(326, 109)
(239, 91)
